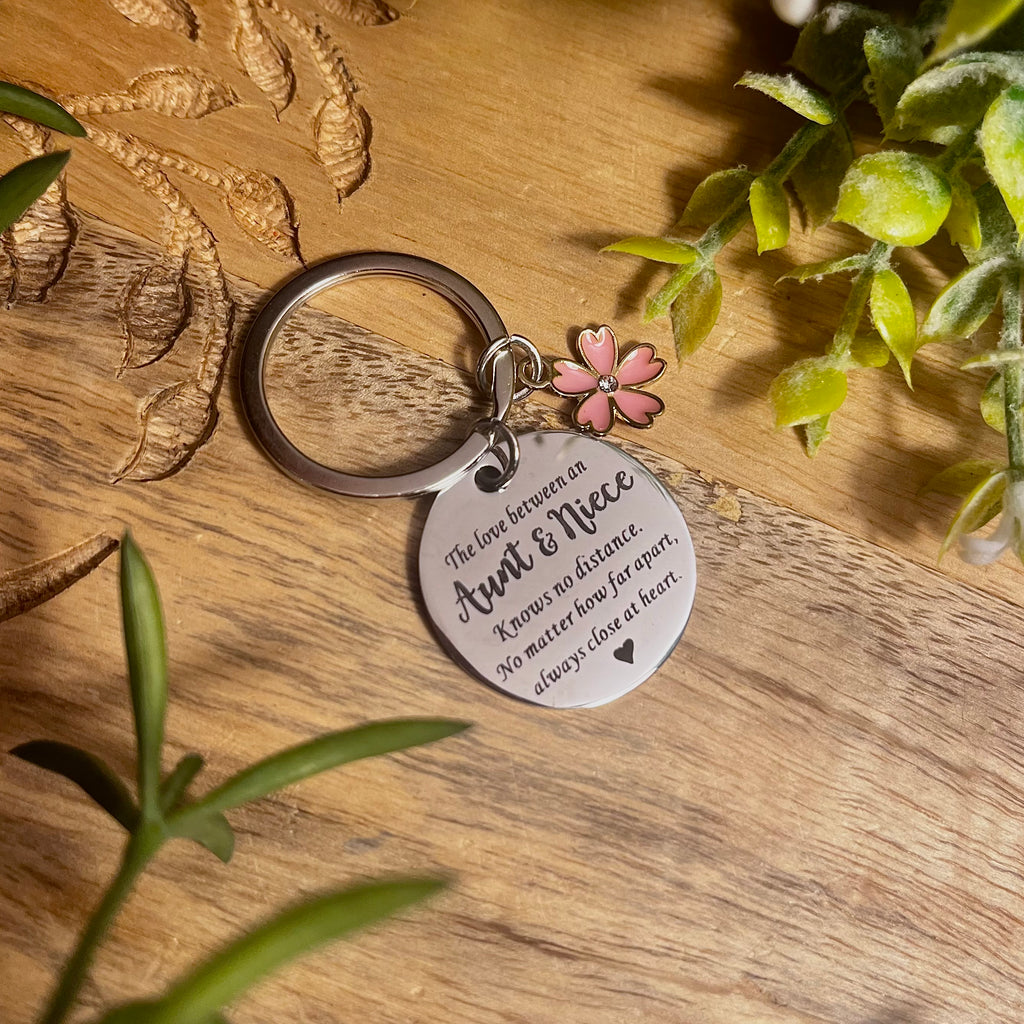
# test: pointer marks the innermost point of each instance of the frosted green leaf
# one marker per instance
(770, 212)
(892, 312)
(660, 303)
(963, 222)
(1002, 142)
(899, 198)
(792, 93)
(893, 58)
(715, 196)
(806, 391)
(954, 95)
(664, 250)
(995, 358)
(816, 179)
(965, 303)
(959, 480)
(847, 264)
(695, 311)
(829, 50)
(998, 231)
(868, 351)
(993, 404)
(816, 433)
(979, 507)
(970, 21)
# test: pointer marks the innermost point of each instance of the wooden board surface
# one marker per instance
(811, 813)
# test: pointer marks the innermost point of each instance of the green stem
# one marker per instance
(142, 845)
(1010, 339)
(800, 143)
(853, 310)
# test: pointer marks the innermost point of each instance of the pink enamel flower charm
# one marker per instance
(606, 385)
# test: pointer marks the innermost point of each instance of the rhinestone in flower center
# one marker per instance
(608, 384)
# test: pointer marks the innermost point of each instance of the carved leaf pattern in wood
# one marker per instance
(175, 15)
(175, 92)
(22, 589)
(341, 128)
(263, 56)
(160, 303)
(341, 135)
(38, 246)
(154, 309)
(263, 208)
(173, 423)
(40, 243)
(360, 12)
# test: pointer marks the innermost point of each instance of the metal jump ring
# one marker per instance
(498, 433)
(534, 360)
(299, 291)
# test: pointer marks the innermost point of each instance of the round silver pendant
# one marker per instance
(569, 586)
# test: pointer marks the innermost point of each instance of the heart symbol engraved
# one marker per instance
(625, 652)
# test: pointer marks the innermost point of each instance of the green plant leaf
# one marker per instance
(92, 775)
(173, 788)
(210, 830)
(320, 755)
(998, 231)
(898, 198)
(816, 433)
(660, 303)
(846, 264)
(21, 186)
(868, 352)
(892, 312)
(963, 222)
(715, 196)
(146, 648)
(817, 177)
(893, 58)
(954, 96)
(33, 107)
(235, 969)
(993, 404)
(980, 506)
(664, 250)
(970, 21)
(695, 311)
(965, 303)
(995, 358)
(829, 49)
(1002, 142)
(959, 480)
(807, 391)
(792, 93)
(770, 212)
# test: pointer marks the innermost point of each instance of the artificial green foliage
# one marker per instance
(946, 83)
(21, 186)
(164, 811)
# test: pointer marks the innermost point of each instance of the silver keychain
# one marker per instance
(554, 566)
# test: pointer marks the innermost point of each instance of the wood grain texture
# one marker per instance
(812, 813)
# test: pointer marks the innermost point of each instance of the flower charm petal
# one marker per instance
(639, 366)
(606, 386)
(594, 413)
(572, 379)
